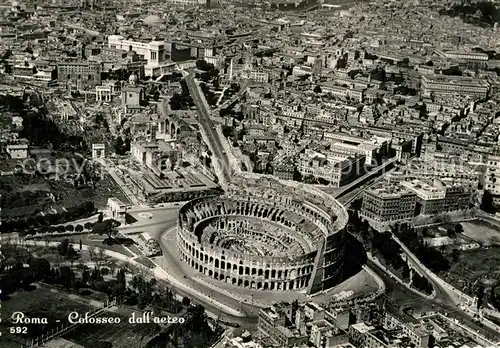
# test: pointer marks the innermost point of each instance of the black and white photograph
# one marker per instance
(249, 174)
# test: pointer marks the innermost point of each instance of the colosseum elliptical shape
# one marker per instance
(265, 234)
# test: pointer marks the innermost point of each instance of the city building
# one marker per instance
(116, 209)
(388, 203)
(491, 177)
(99, 151)
(404, 199)
(433, 85)
(132, 94)
(299, 325)
(18, 150)
(80, 75)
(335, 168)
(154, 52)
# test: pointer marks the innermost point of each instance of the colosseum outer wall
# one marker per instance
(315, 270)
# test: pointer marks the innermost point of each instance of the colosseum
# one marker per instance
(265, 234)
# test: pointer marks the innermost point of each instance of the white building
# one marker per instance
(116, 209)
(154, 51)
(18, 151)
(98, 151)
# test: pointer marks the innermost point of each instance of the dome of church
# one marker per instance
(132, 79)
(152, 20)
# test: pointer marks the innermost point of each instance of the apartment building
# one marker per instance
(446, 85)
(439, 196)
(189, 2)
(471, 59)
(292, 325)
(356, 145)
(416, 332)
(80, 75)
(403, 200)
(491, 177)
(388, 203)
(336, 168)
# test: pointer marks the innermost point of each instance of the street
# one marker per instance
(405, 297)
(169, 261)
(208, 126)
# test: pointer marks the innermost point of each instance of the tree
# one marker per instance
(78, 228)
(186, 301)
(102, 286)
(120, 286)
(317, 89)
(40, 268)
(143, 300)
(101, 254)
(106, 227)
(70, 228)
(156, 96)
(405, 273)
(451, 232)
(480, 295)
(487, 203)
(85, 276)
(96, 275)
(459, 228)
(63, 247)
(67, 276)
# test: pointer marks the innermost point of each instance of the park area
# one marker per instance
(473, 249)
(473, 266)
(94, 241)
(482, 232)
(23, 195)
(38, 303)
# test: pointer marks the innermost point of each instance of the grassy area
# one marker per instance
(23, 195)
(143, 260)
(91, 240)
(39, 303)
(482, 232)
(475, 265)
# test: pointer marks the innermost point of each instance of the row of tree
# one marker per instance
(59, 229)
(421, 283)
(431, 257)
